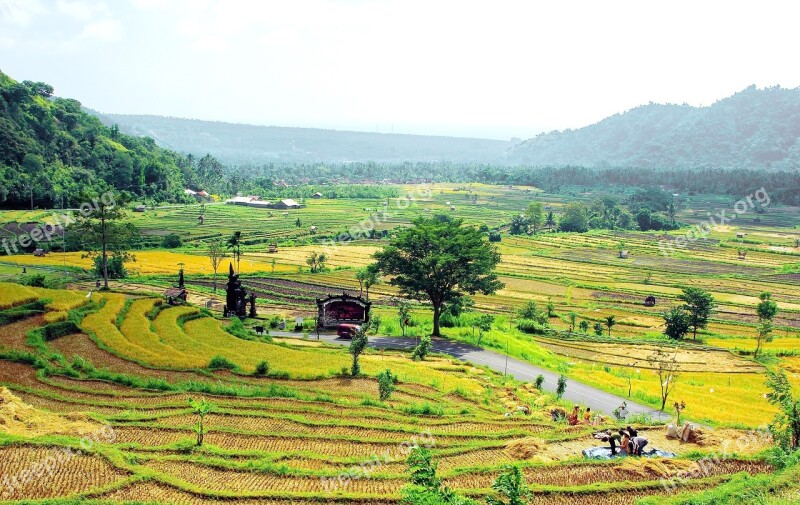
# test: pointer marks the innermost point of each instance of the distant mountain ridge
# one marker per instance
(755, 128)
(241, 144)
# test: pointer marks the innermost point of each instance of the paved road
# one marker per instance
(577, 392)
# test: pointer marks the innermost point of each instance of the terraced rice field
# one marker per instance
(296, 438)
(295, 435)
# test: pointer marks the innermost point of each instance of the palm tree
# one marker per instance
(550, 222)
(610, 322)
(235, 244)
(671, 211)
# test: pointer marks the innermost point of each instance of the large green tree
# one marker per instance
(699, 304)
(234, 243)
(575, 218)
(440, 260)
(676, 323)
(368, 277)
(101, 233)
(535, 215)
(766, 310)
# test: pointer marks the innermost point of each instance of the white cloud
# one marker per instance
(83, 10)
(509, 66)
(106, 30)
(20, 12)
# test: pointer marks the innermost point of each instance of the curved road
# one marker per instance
(576, 392)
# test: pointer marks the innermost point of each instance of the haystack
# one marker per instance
(19, 418)
(524, 448)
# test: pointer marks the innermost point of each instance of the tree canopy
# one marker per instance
(440, 260)
(698, 304)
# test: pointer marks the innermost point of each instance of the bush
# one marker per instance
(115, 264)
(426, 409)
(386, 383)
(539, 381)
(21, 312)
(220, 363)
(450, 321)
(529, 310)
(262, 368)
(495, 236)
(561, 388)
(172, 241)
(423, 348)
(531, 327)
(34, 280)
(237, 329)
(56, 330)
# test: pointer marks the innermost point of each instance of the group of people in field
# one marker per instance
(575, 418)
(626, 441)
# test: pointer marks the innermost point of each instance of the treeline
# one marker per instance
(782, 185)
(51, 152)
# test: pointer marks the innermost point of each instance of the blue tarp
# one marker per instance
(605, 453)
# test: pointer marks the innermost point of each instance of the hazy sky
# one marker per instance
(493, 68)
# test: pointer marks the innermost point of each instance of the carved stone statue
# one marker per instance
(253, 304)
(236, 298)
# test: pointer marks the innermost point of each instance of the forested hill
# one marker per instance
(241, 144)
(51, 152)
(755, 128)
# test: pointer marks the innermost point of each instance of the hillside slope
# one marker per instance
(249, 144)
(755, 128)
(51, 151)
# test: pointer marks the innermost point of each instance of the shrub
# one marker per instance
(171, 241)
(423, 348)
(56, 330)
(262, 368)
(531, 327)
(450, 321)
(539, 381)
(386, 384)
(115, 264)
(220, 363)
(529, 310)
(511, 488)
(561, 388)
(494, 236)
(237, 329)
(357, 346)
(426, 409)
(34, 280)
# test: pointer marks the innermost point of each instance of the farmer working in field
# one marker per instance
(636, 444)
(625, 438)
(612, 438)
(573, 418)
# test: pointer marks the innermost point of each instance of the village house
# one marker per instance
(287, 203)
